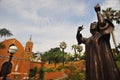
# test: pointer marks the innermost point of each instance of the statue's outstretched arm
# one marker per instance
(79, 37)
(99, 15)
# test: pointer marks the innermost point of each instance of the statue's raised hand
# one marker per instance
(80, 28)
(97, 8)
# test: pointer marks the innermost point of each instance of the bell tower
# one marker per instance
(29, 45)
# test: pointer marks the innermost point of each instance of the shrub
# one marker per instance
(72, 67)
(42, 73)
(33, 72)
(50, 70)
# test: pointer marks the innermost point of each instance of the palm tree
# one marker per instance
(111, 14)
(117, 17)
(63, 46)
(34, 56)
(79, 48)
(74, 47)
(4, 32)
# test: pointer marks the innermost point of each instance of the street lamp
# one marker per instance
(7, 66)
(12, 50)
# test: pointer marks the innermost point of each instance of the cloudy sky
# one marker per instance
(50, 21)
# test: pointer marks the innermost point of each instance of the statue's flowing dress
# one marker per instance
(100, 64)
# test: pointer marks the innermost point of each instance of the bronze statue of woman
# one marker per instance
(100, 64)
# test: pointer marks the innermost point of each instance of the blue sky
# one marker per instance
(50, 21)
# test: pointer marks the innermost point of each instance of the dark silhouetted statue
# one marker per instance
(100, 64)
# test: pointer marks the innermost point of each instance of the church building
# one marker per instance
(21, 59)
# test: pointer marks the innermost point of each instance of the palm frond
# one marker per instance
(5, 32)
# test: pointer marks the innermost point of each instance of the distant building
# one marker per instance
(29, 46)
(21, 60)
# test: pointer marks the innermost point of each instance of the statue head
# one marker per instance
(93, 28)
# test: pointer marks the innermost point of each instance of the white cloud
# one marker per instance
(29, 9)
(115, 4)
(48, 21)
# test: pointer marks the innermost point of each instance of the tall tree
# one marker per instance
(33, 56)
(63, 46)
(79, 49)
(74, 47)
(109, 13)
(117, 17)
(112, 15)
(4, 32)
(51, 55)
